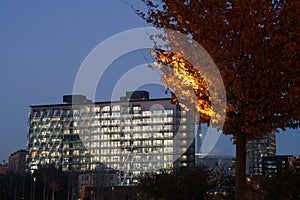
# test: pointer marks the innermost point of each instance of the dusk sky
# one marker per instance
(42, 45)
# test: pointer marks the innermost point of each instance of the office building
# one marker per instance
(257, 149)
(274, 165)
(133, 136)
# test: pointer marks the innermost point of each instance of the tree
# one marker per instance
(158, 185)
(222, 183)
(189, 183)
(14, 186)
(283, 186)
(255, 45)
(53, 176)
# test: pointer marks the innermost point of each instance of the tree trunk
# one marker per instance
(68, 198)
(44, 190)
(240, 167)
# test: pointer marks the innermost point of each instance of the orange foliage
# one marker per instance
(256, 47)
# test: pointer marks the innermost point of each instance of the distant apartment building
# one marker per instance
(133, 136)
(274, 165)
(257, 149)
(17, 162)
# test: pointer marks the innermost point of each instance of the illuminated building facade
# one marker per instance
(257, 149)
(133, 136)
(274, 165)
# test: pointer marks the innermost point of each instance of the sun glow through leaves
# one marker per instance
(186, 81)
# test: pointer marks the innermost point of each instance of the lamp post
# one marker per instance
(34, 180)
(44, 192)
(112, 193)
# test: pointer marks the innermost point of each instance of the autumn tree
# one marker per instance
(255, 46)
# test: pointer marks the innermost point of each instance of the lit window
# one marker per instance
(106, 108)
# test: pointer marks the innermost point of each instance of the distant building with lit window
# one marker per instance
(133, 136)
(274, 165)
(297, 164)
(257, 149)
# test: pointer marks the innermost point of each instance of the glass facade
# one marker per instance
(274, 165)
(132, 137)
(257, 149)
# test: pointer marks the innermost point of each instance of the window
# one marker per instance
(146, 113)
(136, 109)
(168, 142)
(105, 108)
(168, 112)
(116, 108)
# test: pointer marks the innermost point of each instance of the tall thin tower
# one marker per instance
(198, 138)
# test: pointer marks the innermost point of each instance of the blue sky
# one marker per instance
(42, 45)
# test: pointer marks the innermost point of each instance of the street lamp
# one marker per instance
(112, 193)
(34, 180)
